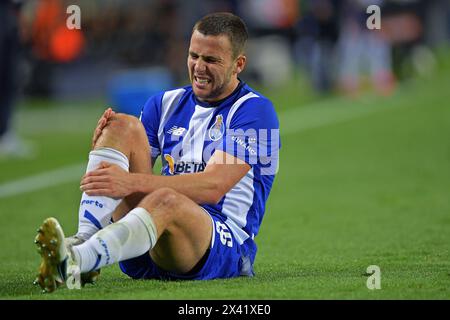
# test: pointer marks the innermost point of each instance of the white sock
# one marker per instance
(95, 211)
(132, 236)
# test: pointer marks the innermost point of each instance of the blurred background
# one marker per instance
(127, 50)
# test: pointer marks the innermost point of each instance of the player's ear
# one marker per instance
(240, 63)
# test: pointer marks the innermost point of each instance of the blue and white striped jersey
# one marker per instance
(185, 132)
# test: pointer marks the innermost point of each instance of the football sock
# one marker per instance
(95, 211)
(130, 237)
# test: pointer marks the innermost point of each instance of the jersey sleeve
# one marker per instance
(253, 135)
(150, 118)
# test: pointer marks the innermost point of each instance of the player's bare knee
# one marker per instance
(120, 128)
(169, 198)
(166, 199)
(123, 124)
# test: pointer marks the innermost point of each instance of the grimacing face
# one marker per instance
(213, 70)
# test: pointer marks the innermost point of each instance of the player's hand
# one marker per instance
(108, 180)
(102, 122)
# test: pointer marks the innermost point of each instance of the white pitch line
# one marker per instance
(292, 121)
(42, 180)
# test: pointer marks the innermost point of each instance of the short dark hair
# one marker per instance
(225, 23)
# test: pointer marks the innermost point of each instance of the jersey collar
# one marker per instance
(220, 102)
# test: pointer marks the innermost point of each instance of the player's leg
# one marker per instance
(185, 230)
(175, 230)
(123, 142)
(172, 227)
(126, 134)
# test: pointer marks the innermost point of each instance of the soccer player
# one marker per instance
(218, 140)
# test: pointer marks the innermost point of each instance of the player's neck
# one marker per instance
(232, 88)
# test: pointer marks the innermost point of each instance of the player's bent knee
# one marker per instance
(120, 132)
(164, 197)
(123, 124)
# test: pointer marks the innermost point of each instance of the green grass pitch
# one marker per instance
(364, 182)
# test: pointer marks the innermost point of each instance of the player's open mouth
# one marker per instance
(202, 81)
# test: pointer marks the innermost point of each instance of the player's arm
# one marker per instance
(222, 172)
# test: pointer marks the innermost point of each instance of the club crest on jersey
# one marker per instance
(218, 129)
